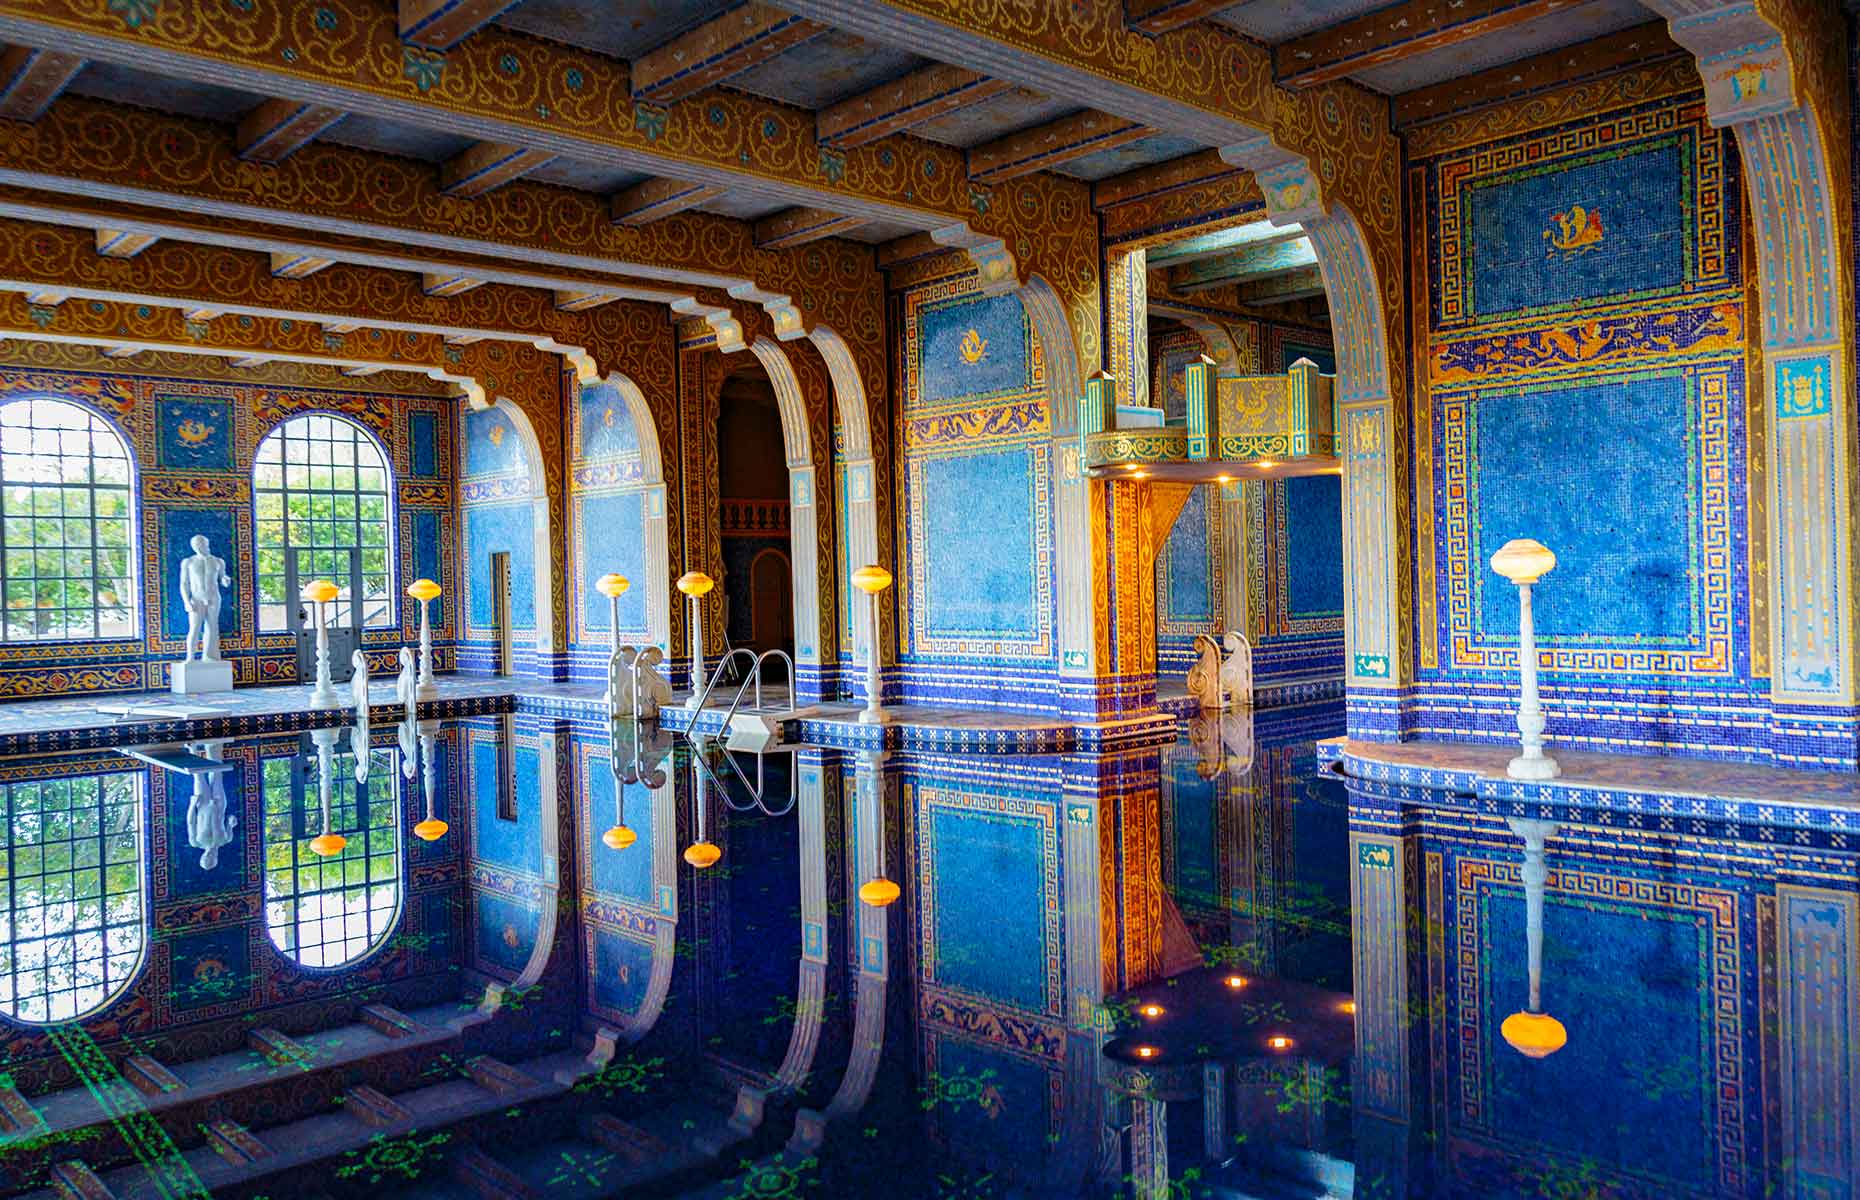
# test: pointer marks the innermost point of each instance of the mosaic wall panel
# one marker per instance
(609, 502)
(192, 443)
(976, 604)
(497, 515)
(1584, 349)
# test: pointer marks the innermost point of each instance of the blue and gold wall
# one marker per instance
(977, 614)
(499, 493)
(610, 502)
(193, 442)
(1581, 381)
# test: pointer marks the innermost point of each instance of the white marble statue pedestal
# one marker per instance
(199, 675)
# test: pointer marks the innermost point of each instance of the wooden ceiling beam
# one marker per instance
(1399, 32)
(1241, 266)
(297, 266)
(935, 91)
(277, 129)
(1302, 284)
(443, 24)
(1053, 144)
(656, 199)
(799, 226)
(31, 78)
(722, 47)
(1585, 60)
(488, 166)
(1161, 16)
(116, 243)
(440, 284)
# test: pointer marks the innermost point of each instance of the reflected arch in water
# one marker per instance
(334, 911)
(73, 903)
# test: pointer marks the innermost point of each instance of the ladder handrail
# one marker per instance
(717, 675)
(755, 790)
(755, 673)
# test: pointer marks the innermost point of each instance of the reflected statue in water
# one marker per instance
(209, 825)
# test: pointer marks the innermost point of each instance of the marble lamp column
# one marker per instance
(872, 580)
(319, 593)
(613, 587)
(426, 591)
(696, 584)
(1524, 562)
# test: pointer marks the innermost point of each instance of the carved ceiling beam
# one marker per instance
(1240, 266)
(1399, 32)
(799, 226)
(290, 255)
(1161, 16)
(935, 91)
(1226, 242)
(1204, 166)
(1204, 81)
(1624, 48)
(656, 199)
(204, 282)
(507, 87)
(446, 284)
(30, 79)
(570, 301)
(363, 372)
(333, 202)
(722, 47)
(1302, 284)
(1053, 144)
(288, 265)
(115, 243)
(277, 129)
(443, 24)
(488, 166)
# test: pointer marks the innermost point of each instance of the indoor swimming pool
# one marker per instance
(552, 957)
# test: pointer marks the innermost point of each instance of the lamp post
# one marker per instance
(1524, 562)
(319, 593)
(1533, 1032)
(426, 591)
(613, 587)
(872, 580)
(696, 584)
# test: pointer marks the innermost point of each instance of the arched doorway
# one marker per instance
(754, 519)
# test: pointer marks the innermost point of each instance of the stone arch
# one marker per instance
(803, 493)
(860, 536)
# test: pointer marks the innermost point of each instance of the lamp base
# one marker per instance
(426, 691)
(1533, 766)
(874, 716)
(200, 675)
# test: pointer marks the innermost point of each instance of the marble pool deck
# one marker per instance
(102, 721)
(1675, 794)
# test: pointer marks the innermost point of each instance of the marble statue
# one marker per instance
(209, 825)
(406, 693)
(203, 574)
(649, 684)
(358, 732)
(1237, 672)
(622, 681)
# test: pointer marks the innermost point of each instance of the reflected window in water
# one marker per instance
(71, 931)
(331, 911)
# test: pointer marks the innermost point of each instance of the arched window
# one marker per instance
(320, 489)
(67, 556)
(71, 912)
(329, 912)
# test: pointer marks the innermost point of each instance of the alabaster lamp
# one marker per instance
(872, 580)
(1524, 562)
(1533, 1032)
(319, 593)
(613, 587)
(696, 584)
(426, 591)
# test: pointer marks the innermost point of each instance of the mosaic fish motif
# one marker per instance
(496, 435)
(1590, 343)
(1572, 231)
(974, 347)
(194, 432)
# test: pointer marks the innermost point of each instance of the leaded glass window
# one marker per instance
(320, 488)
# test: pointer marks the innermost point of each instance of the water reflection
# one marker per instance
(1205, 969)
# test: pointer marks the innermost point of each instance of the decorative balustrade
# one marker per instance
(1255, 425)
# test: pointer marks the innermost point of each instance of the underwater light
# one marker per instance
(1151, 1010)
(1236, 981)
(1279, 1042)
(1147, 1052)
